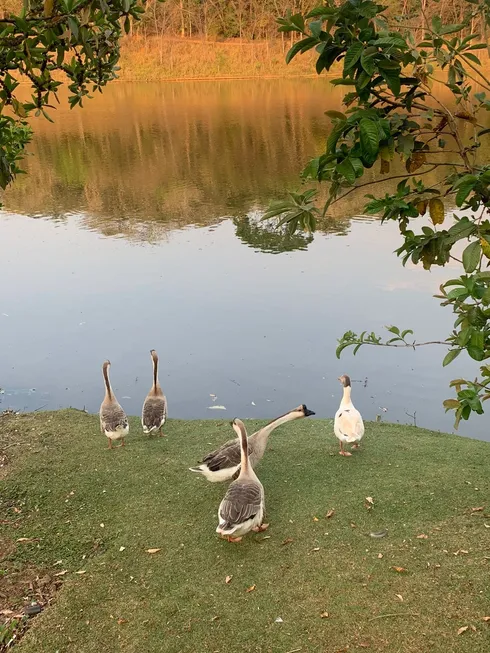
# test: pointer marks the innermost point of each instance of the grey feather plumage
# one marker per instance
(155, 412)
(113, 417)
(242, 502)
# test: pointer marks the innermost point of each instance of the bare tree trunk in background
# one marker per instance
(182, 19)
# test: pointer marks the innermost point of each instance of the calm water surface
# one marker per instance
(136, 228)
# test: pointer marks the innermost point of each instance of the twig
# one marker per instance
(413, 345)
(40, 408)
(295, 650)
(414, 417)
(379, 181)
(396, 614)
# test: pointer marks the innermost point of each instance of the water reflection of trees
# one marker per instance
(266, 237)
(143, 160)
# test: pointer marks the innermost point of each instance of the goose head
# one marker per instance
(345, 380)
(302, 411)
(106, 366)
(154, 355)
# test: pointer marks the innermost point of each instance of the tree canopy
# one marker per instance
(414, 103)
(48, 43)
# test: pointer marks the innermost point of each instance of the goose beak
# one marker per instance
(308, 412)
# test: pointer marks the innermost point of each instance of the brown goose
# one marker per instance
(348, 424)
(223, 464)
(113, 421)
(243, 507)
(154, 414)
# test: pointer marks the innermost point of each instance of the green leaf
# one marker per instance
(316, 28)
(334, 136)
(301, 46)
(476, 353)
(392, 78)
(436, 24)
(472, 57)
(450, 356)
(451, 29)
(464, 185)
(369, 137)
(346, 169)
(471, 256)
(73, 25)
(352, 55)
(367, 62)
(337, 115)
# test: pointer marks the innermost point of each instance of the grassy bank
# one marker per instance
(155, 59)
(70, 507)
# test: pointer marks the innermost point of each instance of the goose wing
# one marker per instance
(154, 412)
(349, 423)
(228, 455)
(241, 502)
(113, 418)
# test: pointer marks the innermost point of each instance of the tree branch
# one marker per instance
(383, 179)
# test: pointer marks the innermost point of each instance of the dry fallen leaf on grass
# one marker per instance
(422, 536)
(462, 630)
(399, 596)
(380, 555)
(228, 579)
(250, 589)
(330, 513)
(486, 618)
(122, 548)
(315, 518)
(317, 548)
(62, 573)
(82, 571)
(399, 570)
(122, 621)
(370, 500)
(288, 540)
(364, 644)
(479, 509)
(324, 615)
(153, 550)
(27, 539)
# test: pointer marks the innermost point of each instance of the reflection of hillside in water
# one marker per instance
(171, 155)
(145, 159)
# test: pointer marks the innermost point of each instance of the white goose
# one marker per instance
(243, 507)
(348, 424)
(113, 421)
(223, 463)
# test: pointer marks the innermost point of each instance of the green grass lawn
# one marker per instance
(79, 504)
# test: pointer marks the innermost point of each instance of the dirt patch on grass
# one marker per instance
(25, 591)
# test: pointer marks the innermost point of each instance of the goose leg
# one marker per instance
(259, 529)
(122, 442)
(233, 539)
(162, 435)
(342, 452)
(110, 443)
(355, 445)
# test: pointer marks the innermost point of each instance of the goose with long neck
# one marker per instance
(223, 463)
(113, 421)
(348, 424)
(243, 507)
(155, 410)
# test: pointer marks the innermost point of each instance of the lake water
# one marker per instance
(136, 228)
